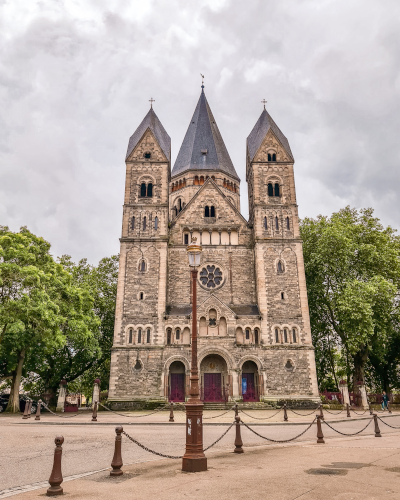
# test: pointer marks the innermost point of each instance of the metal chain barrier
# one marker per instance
(335, 413)
(62, 416)
(135, 416)
(392, 426)
(264, 418)
(148, 449)
(216, 416)
(363, 413)
(301, 414)
(345, 434)
(219, 439)
(278, 440)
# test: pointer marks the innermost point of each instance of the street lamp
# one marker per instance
(194, 459)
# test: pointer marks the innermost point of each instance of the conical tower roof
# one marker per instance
(260, 130)
(203, 147)
(151, 121)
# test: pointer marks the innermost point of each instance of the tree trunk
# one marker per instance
(13, 402)
(360, 358)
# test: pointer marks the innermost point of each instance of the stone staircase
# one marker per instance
(247, 405)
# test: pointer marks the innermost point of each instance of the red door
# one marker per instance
(177, 392)
(248, 387)
(212, 387)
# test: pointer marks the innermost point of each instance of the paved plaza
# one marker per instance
(266, 470)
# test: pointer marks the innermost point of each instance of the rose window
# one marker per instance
(211, 276)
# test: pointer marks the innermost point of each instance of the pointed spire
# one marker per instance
(260, 130)
(152, 122)
(203, 147)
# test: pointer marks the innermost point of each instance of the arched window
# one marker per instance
(277, 335)
(270, 190)
(133, 223)
(141, 296)
(169, 336)
(212, 212)
(247, 334)
(256, 336)
(150, 190)
(265, 223)
(144, 223)
(269, 157)
(143, 189)
(273, 157)
(148, 336)
(285, 335)
(130, 335)
(287, 223)
(202, 180)
(142, 266)
(180, 184)
(186, 239)
(177, 334)
(213, 177)
(156, 223)
(294, 336)
(196, 180)
(139, 336)
(280, 267)
(276, 223)
(276, 189)
(282, 295)
(207, 211)
(179, 205)
(176, 211)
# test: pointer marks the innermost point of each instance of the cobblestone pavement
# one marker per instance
(27, 446)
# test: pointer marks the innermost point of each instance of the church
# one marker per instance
(253, 323)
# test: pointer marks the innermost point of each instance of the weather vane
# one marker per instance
(264, 102)
(151, 102)
(202, 80)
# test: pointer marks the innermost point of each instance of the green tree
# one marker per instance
(353, 275)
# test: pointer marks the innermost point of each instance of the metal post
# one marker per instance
(194, 459)
(171, 412)
(26, 410)
(236, 410)
(370, 409)
(238, 439)
(348, 410)
(116, 463)
(285, 417)
(38, 410)
(377, 430)
(320, 435)
(94, 415)
(389, 410)
(29, 409)
(321, 413)
(56, 475)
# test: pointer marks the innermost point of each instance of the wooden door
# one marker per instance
(212, 387)
(177, 392)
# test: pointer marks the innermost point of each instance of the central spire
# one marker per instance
(203, 147)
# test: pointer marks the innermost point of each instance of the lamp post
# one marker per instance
(194, 459)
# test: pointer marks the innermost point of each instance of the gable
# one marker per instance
(147, 144)
(270, 142)
(213, 302)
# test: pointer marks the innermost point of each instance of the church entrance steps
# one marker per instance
(247, 405)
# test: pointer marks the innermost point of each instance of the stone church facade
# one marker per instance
(252, 310)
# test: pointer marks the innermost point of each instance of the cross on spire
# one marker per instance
(151, 102)
(264, 102)
(202, 81)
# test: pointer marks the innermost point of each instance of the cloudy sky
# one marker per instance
(76, 77)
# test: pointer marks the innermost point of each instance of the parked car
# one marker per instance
(22, 402)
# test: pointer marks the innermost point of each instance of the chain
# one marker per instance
(301, 414)
(363, 413)
(216, 416)
(332, 413)
(344, 434)
(148, 449)
(256, 418)
(134, 416)
(277, 440)
(392, 426)
(57, 415)
(219, 439)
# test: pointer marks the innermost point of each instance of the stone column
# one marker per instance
(364, 398)
(345, 392)
(235, 384)
(61, 396)
(96, 390)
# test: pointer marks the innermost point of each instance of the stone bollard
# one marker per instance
(320, 435)
(285, 417)
(38, 410)
(94, 414)
(116, 463)
(56, 475)
(171, 412)
(370, 410)
(321, 413)
(29, 409)
(377, 430)
(238, 439)
(348, 410)
(389, 410)
(26, 410)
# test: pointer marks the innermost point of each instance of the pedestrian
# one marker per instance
(385, 401)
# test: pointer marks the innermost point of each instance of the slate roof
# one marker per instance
(203, 134)
(152, 122)
(246, 310)
(260, 130)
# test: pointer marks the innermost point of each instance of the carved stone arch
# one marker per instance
(176, 357)
(251, 357)
(220, 351)
(270, 251)
(146, 178)
(273, 177)
(292, 362)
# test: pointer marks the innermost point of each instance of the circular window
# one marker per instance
(147, 155)
(211, 276)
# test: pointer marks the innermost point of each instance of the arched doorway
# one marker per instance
(250, 382)
(214, 379)
(176, 381)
